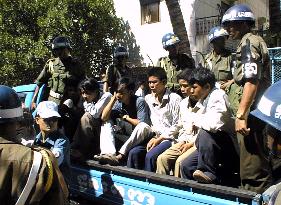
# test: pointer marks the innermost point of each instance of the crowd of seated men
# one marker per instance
(191, 135)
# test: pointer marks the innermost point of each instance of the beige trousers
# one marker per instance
(171, 160)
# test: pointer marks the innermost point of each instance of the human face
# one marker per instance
(62, 53)
(198, 92)
(89, 96)
(156, 85)
(47, 125)
(185, 88)
(234, 29)
(173, 50)
(122, 60)
(218, 43)
(123, 96)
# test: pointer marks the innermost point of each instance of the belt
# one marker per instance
(55, 95)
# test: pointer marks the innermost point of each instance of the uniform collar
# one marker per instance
(247, 35)
(5, 141)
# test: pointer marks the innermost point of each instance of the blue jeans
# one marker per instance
(138, 158)
(212, 149)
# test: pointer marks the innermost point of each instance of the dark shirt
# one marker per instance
(137, 109)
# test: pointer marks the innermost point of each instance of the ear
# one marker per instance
(37, 120)
(164, 82)
(207, 86)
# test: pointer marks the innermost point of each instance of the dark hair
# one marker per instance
(202, 76)
(72, 82)
(126, 83)
(184, 74)
(158, 72)
(89, 84)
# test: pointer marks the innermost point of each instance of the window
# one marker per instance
(149, 11)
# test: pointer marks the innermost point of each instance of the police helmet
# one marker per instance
(169, 39)
(61, 42)
(216, 32)
(238, 12)
(121, 51)
(269, 106)
(10, 105)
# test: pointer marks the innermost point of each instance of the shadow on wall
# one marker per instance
(128, 40)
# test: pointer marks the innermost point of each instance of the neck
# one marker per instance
(127, 101)
(159, 96)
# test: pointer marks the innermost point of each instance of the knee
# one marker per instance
(132, 154)
(178, 163)
(143, 127)
(85, 119)
(160, 159)
(150, 157)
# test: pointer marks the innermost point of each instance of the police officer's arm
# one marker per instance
(33, 102)
(105, 86)
(251, 67)
(248, 96)
(108, 108)
(107, 78)
(42, 79)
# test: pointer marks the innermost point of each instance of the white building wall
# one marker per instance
(149, 36)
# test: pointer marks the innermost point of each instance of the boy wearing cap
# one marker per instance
(47, 119)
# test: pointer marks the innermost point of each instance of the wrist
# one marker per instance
(126, 117)
(240, 116)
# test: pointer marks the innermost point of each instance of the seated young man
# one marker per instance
(71, 110)
(126, 117)
(214, 142)
(86, 138)
(47, 117)
(164, 114)
(184, 144)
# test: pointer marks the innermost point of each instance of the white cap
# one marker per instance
(47, 109)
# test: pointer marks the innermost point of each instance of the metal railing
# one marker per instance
(275, 59)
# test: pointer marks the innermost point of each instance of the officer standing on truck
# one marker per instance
(116, 71)
(175, 61)
(28, 175)
(219, 59)
(251, 75)
(58, 71)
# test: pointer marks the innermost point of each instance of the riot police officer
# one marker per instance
(175, 61)
(58, 71)
(251, 75)
(17, 185)
(219, 59)
(269, 111)
(118, 70)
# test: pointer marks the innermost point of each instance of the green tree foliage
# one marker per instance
(28, 27)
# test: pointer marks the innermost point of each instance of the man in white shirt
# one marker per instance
(214, 142)
(86, 140)
(164, 115)
(184, 144)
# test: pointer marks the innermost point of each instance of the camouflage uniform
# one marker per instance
(114, 73)
(15, 164)
(183, 61)
(219, 64)
(254, 167)
(56, 73)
